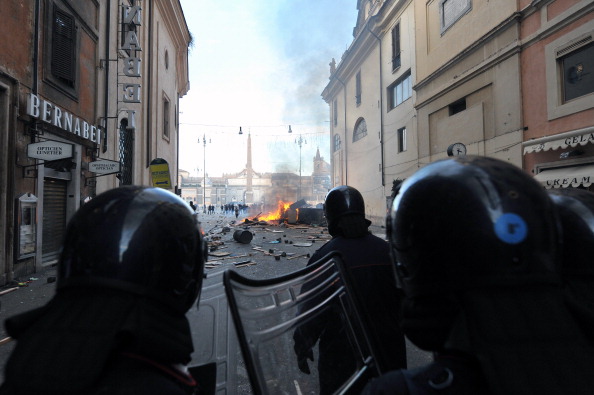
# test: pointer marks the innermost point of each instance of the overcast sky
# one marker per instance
(261, 65)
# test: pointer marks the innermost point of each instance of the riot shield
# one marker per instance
(214, 337)
(300, 333)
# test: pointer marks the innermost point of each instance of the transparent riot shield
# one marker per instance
(300, 333)
(214, 337)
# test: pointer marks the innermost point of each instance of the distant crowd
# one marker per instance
(227, 209)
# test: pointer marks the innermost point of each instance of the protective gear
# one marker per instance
(452, 214)
(576, 210)
(447, 374)
(345, 203)
(475, 240)
(142, 240)
(131, 267)
(367, 260)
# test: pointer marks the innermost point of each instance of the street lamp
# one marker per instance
(299, 141)
(204, 168)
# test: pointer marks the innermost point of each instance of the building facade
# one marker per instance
(424, 80)
(73, 72)
(262, 191)
(558, 92)
(468, 79)
(373, 132)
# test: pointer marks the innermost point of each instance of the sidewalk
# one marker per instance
(34, 290)
(14, 299)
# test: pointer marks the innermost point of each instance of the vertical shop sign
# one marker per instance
(131, 19)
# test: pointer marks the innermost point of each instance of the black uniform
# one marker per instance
(475, 242)
(448, 374)
(368, 258)
(131, 266)
(98, 342)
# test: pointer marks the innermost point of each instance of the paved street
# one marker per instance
(273, 251)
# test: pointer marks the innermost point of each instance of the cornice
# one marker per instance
(173, 15)
(573, 14)
(363, 43)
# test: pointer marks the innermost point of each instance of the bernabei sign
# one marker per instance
(50, 113)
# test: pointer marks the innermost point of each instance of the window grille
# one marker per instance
(126, 152)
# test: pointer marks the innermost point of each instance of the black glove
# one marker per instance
(302, 358)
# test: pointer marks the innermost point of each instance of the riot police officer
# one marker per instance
(367, 257)
(475, 243)
(576, 210)
(131, 266)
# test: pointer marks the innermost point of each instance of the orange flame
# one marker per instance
(280, 211)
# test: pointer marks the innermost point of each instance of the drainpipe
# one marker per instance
(149, 87)
(36, 49)
(106, 84)
(379, 40)
(346, 166)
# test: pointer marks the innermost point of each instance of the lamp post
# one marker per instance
(299, 141)
(204, 168)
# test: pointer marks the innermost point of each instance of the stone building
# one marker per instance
(67, 79)
(422, 81)
(263, 191)
(558, 92)
(373, 126)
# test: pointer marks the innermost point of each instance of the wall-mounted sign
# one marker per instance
(50, 150)
(50, 113)
(104, 166)
(160, 173)
(131, 18)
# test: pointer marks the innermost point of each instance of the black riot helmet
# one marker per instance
(576, 211)
(576, 267)
(340, 202)
(137, 239)
(471, 222)
(476, 245)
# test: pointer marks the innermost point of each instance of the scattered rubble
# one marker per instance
(305, 222)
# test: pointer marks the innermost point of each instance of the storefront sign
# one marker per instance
(568, 182)
(131, 17)
(572, 139)
(50, 113)
(566, 177)
(49, 150)
(581, 140)
(104, 166)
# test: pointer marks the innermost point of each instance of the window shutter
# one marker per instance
(63, 55)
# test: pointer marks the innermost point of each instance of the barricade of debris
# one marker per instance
(306, 225)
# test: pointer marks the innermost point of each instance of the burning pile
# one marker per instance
(279, 214)
(292, 213)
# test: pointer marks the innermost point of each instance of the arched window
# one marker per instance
(360, 130)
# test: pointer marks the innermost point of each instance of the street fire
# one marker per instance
(278, 214)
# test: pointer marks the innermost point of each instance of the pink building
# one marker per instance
(557, 70)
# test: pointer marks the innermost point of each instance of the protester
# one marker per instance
(131, 266)
(475, 243)
(368, 258)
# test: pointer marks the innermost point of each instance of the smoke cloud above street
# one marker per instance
(260, 66)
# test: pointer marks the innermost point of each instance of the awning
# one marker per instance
(567, 177)
(563, 140)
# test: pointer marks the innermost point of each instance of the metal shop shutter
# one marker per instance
(54, 219)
